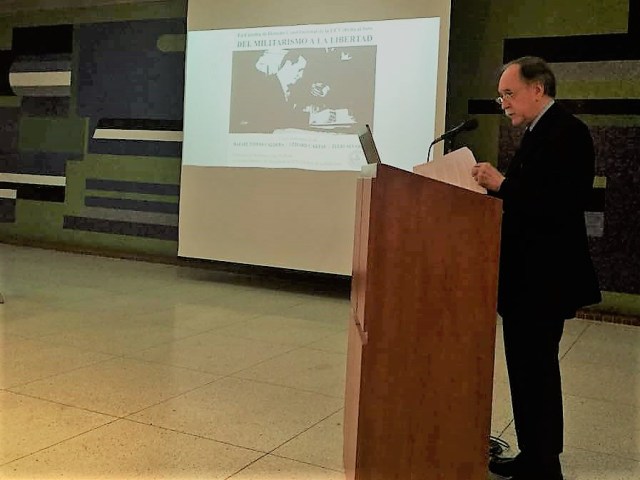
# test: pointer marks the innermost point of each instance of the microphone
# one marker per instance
(465, 126)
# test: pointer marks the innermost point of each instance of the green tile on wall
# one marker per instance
(172, 43)
(53, 135)
(600, 182)
(10, 102)
(483, 151)
(616, 302)
(134, 196)
(133, 168)
(75, 192)
(119, 243)
(619, 88)
(560, 17)
(37, 220)
(611, 120)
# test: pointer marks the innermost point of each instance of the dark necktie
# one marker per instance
(526, 137)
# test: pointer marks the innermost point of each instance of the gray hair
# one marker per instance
(535, 70)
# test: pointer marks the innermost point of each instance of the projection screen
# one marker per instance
(275, 96)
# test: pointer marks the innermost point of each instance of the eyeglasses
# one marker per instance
(505, 96)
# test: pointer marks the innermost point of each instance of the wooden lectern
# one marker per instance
(422, 329)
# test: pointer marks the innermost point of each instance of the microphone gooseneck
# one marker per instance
(465, 126)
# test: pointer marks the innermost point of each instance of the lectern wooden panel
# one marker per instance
(422, 330)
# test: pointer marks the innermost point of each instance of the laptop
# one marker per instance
(369, 147)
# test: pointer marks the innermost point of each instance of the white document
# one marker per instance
(454, 168)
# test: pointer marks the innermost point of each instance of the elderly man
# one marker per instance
(546, 272)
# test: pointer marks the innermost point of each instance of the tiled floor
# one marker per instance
(113, 369)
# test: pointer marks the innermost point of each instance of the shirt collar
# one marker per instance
(537, 119)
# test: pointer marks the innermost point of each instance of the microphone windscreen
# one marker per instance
(471, 124)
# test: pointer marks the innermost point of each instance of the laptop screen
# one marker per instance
(369, 147)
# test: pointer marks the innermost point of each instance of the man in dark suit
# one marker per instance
(546, 272)
(265, 101)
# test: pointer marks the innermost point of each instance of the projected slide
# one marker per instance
(298, 96)
(315, 89)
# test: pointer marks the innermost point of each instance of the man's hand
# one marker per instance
(487, 176)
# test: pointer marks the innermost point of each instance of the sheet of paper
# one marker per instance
(453, 168)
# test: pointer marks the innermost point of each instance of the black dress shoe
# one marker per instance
(524, 468)
(544, 475)
(506, 466)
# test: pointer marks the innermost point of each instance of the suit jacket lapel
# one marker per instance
(531, 139)
(516, 162)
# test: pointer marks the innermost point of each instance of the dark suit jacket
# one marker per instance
(545, 266)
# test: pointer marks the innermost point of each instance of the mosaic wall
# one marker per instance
(91, 132)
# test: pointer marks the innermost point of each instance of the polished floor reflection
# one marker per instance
(117, 369)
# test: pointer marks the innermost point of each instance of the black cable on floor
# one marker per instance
(497, 446)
